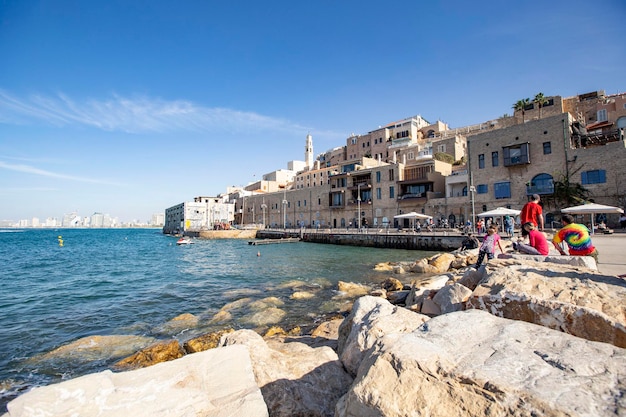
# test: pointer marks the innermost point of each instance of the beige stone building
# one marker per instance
(508, 165)
(396, 168)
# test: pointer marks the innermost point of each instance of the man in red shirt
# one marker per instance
(532, 213)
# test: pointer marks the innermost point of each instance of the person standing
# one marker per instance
(577, 238)
(622, 221)
(488, 248)
(533, 213)
(537, 243)
(508, 226)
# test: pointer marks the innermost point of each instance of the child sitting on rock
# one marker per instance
(488, 247)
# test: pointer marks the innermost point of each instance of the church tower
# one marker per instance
(308, 151)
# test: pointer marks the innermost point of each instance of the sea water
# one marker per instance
(58, 286)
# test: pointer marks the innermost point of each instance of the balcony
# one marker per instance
(543, 189)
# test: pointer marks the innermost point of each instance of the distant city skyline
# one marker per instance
(130, 109)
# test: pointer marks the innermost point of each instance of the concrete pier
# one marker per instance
(436, 241)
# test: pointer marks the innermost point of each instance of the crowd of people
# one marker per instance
(574, 237)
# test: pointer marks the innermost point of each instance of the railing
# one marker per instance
(596, 139)
(540, 189)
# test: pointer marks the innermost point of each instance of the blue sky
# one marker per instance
(130, 107)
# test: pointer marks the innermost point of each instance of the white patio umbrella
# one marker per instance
(500, 212)
(412, 216)
(591, 209)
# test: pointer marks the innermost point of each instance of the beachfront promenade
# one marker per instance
(612, 248)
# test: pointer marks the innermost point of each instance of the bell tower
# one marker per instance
(308, 151)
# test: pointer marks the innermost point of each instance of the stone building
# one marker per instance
(508, 165)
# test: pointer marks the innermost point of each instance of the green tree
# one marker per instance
(521, 105)
(445, 157)
(540, 100)
(568, 193)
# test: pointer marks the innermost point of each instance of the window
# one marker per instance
(481, 161)
(547, 148)
(410, 155)
(392, 192)
(441, 148)
(494, 159)
(516, 155)
(353, 141)
(482, 189)
(602, 115)
(379, 194)
(337, 199)
(597, 176)
(502, 189)
(540, 184)
(377, 176)
(391, 175)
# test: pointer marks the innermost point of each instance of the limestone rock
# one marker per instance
(379, 292)
(351, 289)
(392, 284)
(452, 298)
(459, 262)
(302, 295)
(398, 297)
(156, 353)
(472, 277)
(178, 324)
(269, 316)
(295, 379)
(328, 329)
(204, 342)
(441, 262)
(92, 348)
(215, 383)
(471, 363)
(429, 307)
(384, 267)
(420, 286)
(584, 304)
(370, 319)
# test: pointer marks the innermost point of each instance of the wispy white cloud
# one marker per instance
(135, 115)
(41, 172)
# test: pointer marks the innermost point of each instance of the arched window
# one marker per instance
(540, 184)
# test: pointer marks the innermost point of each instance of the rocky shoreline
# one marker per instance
(521, 336)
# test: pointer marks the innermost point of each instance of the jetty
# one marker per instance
(273, 241)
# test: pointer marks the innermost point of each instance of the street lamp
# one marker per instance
(472, 191)
(263, 207)
(285, 214)
(358, 202)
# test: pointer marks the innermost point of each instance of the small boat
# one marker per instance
(184, 241)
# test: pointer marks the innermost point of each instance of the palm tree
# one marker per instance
(521, 105)
(540, 101)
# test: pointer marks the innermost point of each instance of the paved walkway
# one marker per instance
(612, 253)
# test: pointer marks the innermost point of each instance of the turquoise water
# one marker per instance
(133, 281)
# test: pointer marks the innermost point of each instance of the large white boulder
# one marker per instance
(214, 383)
(574, 300)
(295, 379)
(370, 319)
(472, 363)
